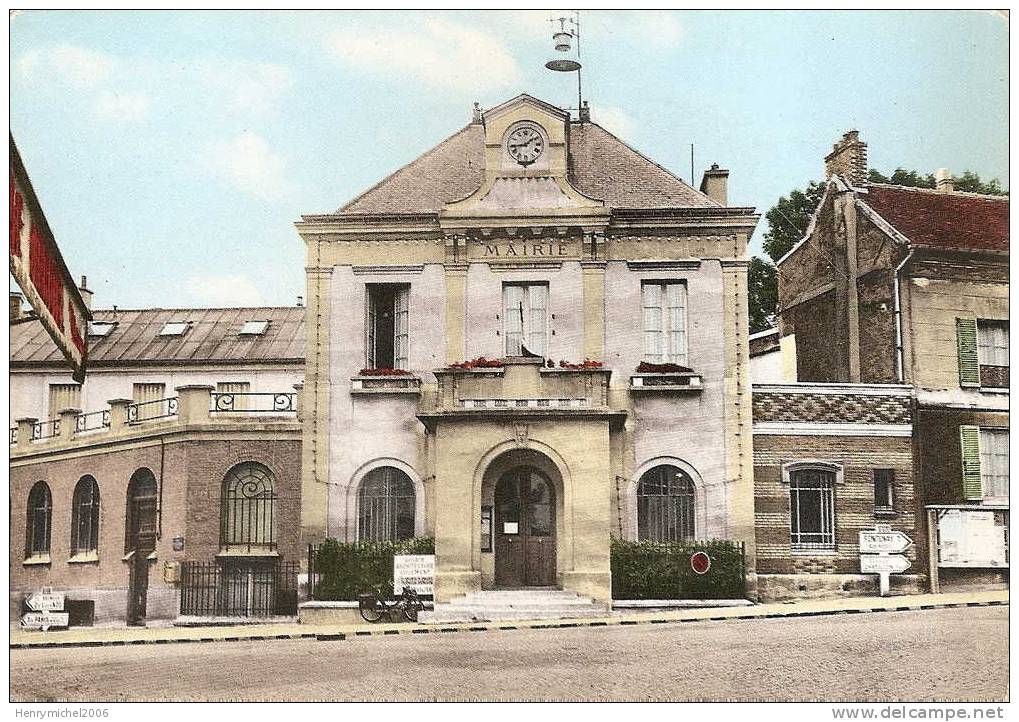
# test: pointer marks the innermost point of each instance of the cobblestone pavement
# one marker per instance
(945, 654)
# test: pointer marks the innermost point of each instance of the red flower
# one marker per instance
(646, 367)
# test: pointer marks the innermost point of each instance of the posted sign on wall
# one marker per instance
(416, 571)
(970, 538)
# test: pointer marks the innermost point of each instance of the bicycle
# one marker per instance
(374, 607)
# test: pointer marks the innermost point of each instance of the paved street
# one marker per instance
(933, 655)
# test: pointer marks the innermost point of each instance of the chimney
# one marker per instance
(585, 112)
(848, 159)
(476, 114)
(15, 307)
(945, 182)
(86, 295)
(715, 184)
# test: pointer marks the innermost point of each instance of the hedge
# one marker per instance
(661, 570)
(342, 570)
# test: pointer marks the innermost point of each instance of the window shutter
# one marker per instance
(969, 363)
(969, 443)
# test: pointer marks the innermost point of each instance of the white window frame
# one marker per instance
(254, 328)
(829, 521)
(401, 325)
(992, 342)
(525, 317)
(664, 310)
(174, 328)
(992, 462)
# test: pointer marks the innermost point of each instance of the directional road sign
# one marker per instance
(883, 564)
(883, 542)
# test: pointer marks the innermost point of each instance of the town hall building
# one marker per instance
(525, 342)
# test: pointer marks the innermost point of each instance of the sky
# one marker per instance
(172, 152)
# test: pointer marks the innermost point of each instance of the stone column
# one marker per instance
(299, 400)
(25, 427)
(118, 414)
(68, 422)
(193, 402)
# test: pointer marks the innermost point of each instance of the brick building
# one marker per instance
(830, 460)
(185, 462)
(910, 286)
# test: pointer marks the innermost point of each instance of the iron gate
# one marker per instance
(242, 589)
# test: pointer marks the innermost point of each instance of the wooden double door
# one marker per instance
(525, 529)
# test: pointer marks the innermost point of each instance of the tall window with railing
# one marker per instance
(812, 509)
(38, 521)
(525, 318)
(248, 513)
(665, 505)
(386, 506)
(664, 309)
(85, 517)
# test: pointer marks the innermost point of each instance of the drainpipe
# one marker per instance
(899, 376)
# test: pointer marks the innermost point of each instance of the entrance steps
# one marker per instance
(519, 604)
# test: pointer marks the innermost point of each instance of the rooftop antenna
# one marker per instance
(566, 41)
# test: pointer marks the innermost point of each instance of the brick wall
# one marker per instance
(189, 474)
(790, 403)
(854, 498)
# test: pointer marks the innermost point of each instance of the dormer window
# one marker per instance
(99, 329)
(174, 328)
(254, 328)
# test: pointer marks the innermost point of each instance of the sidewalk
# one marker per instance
(101, 637)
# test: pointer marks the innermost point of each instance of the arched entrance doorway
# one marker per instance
(139, 541)
(525, 529)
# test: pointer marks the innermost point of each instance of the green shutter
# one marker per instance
(969, 442)
(969, 362)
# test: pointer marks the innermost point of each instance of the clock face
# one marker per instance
(525, 145)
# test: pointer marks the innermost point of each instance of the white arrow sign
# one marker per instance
(884, 564)
(44, 620)
(883, 542)
(46, 601)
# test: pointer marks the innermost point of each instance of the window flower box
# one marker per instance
(397, 381)
(669, 382)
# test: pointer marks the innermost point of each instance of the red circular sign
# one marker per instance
(700, 562)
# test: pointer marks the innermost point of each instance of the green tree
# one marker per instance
(969, 181)
(762, 280)
(788, 219)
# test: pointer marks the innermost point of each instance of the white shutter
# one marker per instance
(513, 327)
(537, 316)
(651, 300)
(401, 329)
(676, 293)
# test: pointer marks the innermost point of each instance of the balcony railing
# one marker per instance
(251, 402)
(92, 421)
(194, 404)
(46, 430)
(149, 410)
(525, 403)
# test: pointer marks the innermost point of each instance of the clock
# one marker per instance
(525, 144)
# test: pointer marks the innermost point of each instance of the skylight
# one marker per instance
(98, 329)
(254, 328)
(174, 328)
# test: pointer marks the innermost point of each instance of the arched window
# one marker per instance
(386, 506)
(85, 516)
(37, 525)
(665, 505)
(812, 508)
(140, 520)
(248, 514)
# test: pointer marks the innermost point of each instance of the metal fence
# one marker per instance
(210, 589)
(251, 402)
(156, 409)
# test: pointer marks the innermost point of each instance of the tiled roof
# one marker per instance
(934, 219)
(601, 166)
(213, 336)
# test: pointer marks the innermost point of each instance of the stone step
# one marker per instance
(521, 602)
(441, 616)
(518, 604)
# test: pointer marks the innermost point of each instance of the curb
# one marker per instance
(500, 627)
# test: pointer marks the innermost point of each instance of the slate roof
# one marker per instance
(949, 221)
(600, 165)
(212, 338)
